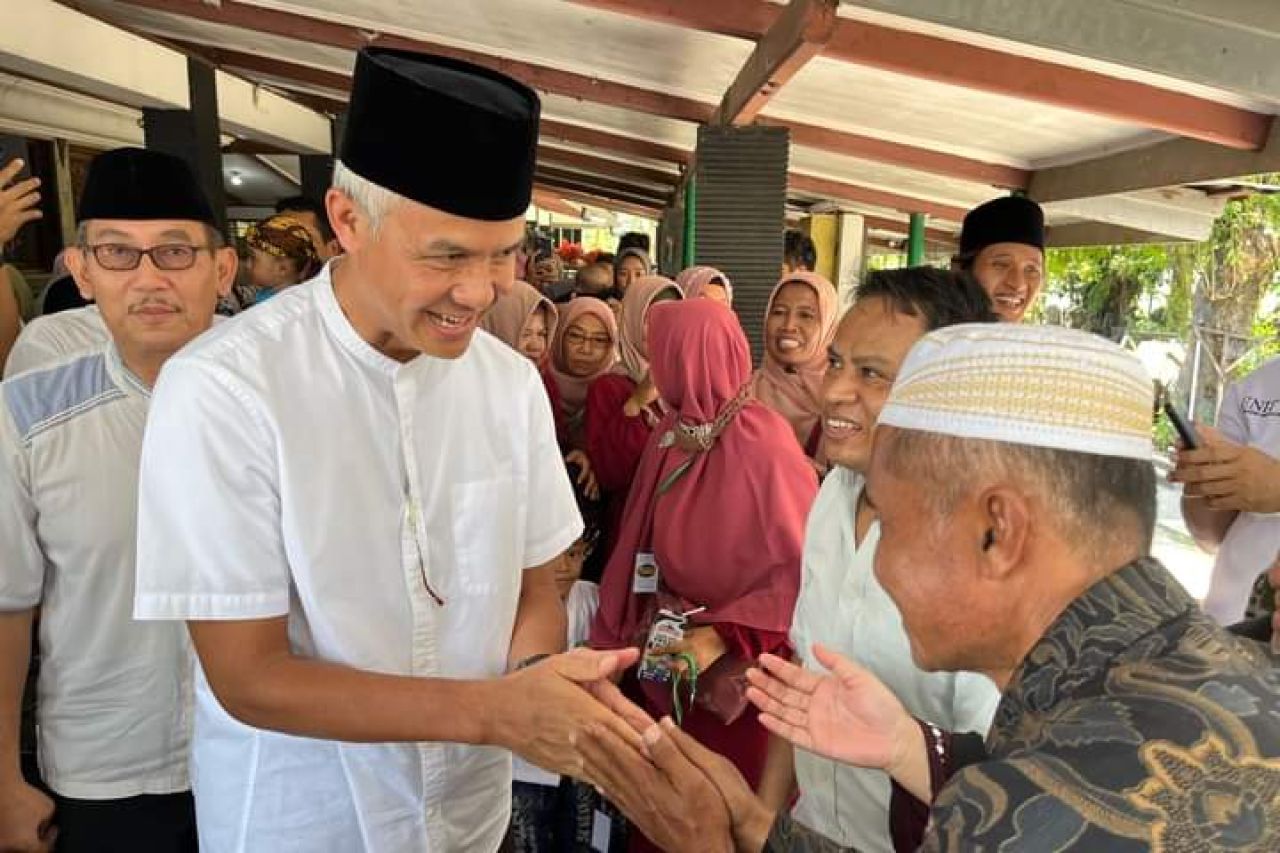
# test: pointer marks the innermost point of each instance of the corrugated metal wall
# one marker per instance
(741, 178)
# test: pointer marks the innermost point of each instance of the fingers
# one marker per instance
(839, 665)
(608, 694)
(796, 715)
(10, 171)
(613, 764)
(24, 193)
(796, 735)
(789, 674)
(583, 665)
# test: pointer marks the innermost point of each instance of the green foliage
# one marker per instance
(1103, 287)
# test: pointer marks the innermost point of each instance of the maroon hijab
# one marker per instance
(729, 533)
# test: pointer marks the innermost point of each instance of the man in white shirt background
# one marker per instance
(113, 694)
(363, 530)
(1231, 497)
(841, 604)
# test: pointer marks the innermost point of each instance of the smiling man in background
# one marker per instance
(1002, 246)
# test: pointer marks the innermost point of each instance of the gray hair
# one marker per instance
(214, 237)
(374, 201)
(1091, 496)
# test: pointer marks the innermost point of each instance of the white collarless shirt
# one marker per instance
(1249, 415)
(291, 469)
(54, 336)
(113, 696)
(843, 606)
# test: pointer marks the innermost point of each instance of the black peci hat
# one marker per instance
(445, 133)
(135, 183)
(1011, 219)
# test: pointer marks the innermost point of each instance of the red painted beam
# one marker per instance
(798, 35)
(879, 198)
(605, 167)
(601, 201)
(308, 29)
(606, 141)
(304, 28)
(983, 69)
(552, 176)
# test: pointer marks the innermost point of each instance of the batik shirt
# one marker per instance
(1134, 724)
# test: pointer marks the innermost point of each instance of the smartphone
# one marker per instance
(1186, 431)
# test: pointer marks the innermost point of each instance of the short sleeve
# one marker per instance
(209, 527)
(1231, 422)
(21, 560)
(554, 523)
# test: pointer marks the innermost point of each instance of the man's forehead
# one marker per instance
(871, 324)
(1020, 251)
(144, 228)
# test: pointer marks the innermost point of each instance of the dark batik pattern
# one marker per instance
(1135, 724)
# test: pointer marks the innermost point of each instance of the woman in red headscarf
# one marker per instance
(584, 348)
(622, 406)
(714, 526)
(798, 327)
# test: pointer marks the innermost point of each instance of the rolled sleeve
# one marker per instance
(209, 526)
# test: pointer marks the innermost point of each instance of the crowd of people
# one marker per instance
(433, 547)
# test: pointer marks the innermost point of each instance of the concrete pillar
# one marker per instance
(65, 192)
(851, 255)
(193, 135)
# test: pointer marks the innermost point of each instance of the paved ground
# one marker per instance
(1174, 545)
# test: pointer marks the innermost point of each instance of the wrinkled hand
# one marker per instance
(1228, 475)
(586, 477)
(848, 715)
(545, 708)
(665, 794)
(19, 204)
(704, 643)
(26, 820)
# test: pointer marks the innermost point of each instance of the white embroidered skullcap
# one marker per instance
(1041, 386)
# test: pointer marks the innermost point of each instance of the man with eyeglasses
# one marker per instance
(113, 694)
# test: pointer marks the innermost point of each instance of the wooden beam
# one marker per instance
(1100, 234)
(602, 201)
(879, 223)
(549, 200)
(606, 141)
(866, 195)
(1166, 164)
(270, 66)
(606, 167)
(319, 31)
(597, 186)
(305, 28)
(901, 154)
(980, 68)
(798, 35)
(253, 148)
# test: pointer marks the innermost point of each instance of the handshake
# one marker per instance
(683, 796)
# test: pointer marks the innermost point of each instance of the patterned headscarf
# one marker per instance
(285, 237)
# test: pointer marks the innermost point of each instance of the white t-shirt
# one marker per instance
(291, 469)
(1250, 415)
(843, 606)
(113, 697)
(54, 336)
(580, 609)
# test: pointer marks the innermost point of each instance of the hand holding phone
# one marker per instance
(1186, 431)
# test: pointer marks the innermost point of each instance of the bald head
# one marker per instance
(594, 279)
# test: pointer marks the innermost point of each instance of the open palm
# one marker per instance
(847, 715)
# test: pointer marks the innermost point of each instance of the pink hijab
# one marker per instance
(573, 390)
(728, 533)
(509, 314)
(796, 392)
(694, 280)
(635, 307)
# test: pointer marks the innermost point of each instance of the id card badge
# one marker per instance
(644, 580)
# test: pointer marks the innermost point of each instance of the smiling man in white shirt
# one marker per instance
(841, 604)
(356, 502)
(113, 695)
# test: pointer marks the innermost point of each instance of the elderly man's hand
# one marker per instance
(1228, 475)
(666, 794)
(547, 707)
(847, 716)
(20, 203)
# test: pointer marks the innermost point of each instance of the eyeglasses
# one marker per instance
(171, 257)
(579, 340)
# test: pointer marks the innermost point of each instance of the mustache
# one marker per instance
(154, 302)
